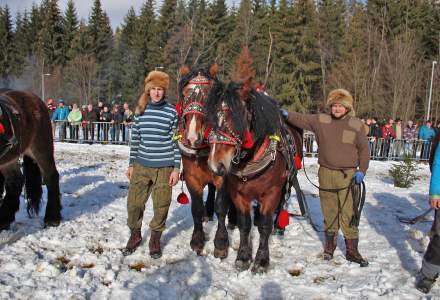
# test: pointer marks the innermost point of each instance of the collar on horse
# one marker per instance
(12, 116)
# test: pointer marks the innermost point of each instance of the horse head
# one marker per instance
(194, 89)
(240, 118)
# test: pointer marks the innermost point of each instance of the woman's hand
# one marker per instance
(174, 178)
(129, 172)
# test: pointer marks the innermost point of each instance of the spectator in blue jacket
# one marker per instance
(426, 134)
(60, 118)
(431, 261)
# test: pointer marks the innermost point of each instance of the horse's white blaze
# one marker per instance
(192, 134)
(211, 163)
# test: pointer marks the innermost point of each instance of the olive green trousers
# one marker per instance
(337, 208)
(145, 181)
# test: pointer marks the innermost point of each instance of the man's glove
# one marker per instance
(358, 177)
(284, 113)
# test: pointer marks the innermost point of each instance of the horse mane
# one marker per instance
(265, 114)
(204, 70)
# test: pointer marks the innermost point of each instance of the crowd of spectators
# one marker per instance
(102, 123)
(393, 139)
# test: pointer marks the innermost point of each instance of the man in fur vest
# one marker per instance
(154, 162)
(343, 155)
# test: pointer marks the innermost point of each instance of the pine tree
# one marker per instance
(166, 24)
(6, 46)
(101, 37)
(130, 67)
(148, 40)
(50, 41)
(70, 30)
(298, 64)
(23, 42)
(331, 24)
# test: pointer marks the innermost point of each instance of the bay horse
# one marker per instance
(26, 131)
(249, 148)
(191, 138)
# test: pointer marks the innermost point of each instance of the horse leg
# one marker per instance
(232, 216)
(244, 255)
(221, 240)
(209, 205)
(262, 256)
(34, 191)
(197, 210)
(13, 181)
(46, 164)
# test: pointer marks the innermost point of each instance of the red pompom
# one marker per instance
(248, 143)
(207, 132)
(183, 198)
(2, 129)
(298, 163)
(179, 109)
(283, 219)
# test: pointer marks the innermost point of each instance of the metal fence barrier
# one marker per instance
(92, 133)
(381, 149)
(119, 134)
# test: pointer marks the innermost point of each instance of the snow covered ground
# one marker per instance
(81, 259)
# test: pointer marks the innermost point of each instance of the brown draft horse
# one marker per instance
(25, 130)
(236, 111)
(192, 140)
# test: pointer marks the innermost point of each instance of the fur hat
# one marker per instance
(153, 79)
(342, 97)
(157, 79)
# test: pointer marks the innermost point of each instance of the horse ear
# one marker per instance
(213, 70)
(184, 70)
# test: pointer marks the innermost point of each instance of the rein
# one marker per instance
(358, 192)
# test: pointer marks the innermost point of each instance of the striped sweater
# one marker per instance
(152, 137)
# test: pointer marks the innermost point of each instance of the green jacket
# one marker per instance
(75, 117)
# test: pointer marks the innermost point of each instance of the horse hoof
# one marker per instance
(259, 269)
(221, 253)
(52, 223)
(197, 247)
(242, 265)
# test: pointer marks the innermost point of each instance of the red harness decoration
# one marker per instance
(283, 219)
(206, 133)
(179, 109)
(297, 160)
(2, 129)
(248, 143)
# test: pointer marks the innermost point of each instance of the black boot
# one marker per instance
(154, 244)
(352, 253)
(424, 284)
(330, 245)
(134, 242)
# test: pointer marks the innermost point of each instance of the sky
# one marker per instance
(116, 9)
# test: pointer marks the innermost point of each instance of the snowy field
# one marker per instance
(82, 259)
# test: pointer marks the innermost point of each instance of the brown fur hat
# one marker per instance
(153, 79)
(342, 97)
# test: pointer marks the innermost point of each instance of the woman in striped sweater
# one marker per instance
(154, 162)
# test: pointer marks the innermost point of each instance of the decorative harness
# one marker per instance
(192, 104)
(12, 115)
(263, 157)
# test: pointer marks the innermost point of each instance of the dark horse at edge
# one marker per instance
(25, 130)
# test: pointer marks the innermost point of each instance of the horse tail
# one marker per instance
(34, 191)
